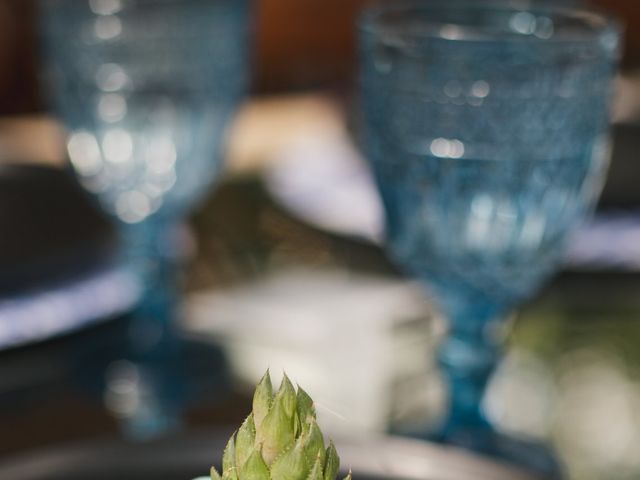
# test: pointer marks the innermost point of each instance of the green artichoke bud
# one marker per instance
(279, 440)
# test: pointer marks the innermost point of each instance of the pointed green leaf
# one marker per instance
(229, 455)
(262, 399)
(316, 470)
(314, 443)
(245, 440)
(275, 434)
(231, 474)
(332, 463)
(287, 396)
(214, 474)
(293, 465)
(297, 425)
(305, 405)
(254, 468)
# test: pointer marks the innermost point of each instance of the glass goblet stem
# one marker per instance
(152, 250)
(468, 356)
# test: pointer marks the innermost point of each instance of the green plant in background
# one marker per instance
(279, 440)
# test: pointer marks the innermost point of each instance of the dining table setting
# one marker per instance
(420, 218)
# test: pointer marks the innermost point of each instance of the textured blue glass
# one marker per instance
(487, 130)
(146, 89)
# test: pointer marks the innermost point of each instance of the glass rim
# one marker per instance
(119, 5)
(595, 22)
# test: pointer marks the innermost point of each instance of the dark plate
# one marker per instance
(56, 254)
(51, 230)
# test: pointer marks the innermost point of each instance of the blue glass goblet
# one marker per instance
(486, 127)
(146, 90)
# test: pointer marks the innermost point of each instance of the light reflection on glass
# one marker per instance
(451, 32)
(523, 22)
(108, 27)
(480, 89)
(445, 148)
(479, 223)
(453, 89)
(533, 230)
(105, 7)
(117, 146)
(111, 77)
(167, 181)
(96, 184)
(544, 28)
(133, 207)
(84, 153)
(154, 192)
(139, 166)
(112, 107)
(160, 155)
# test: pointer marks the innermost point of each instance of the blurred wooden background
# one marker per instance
(301, 44)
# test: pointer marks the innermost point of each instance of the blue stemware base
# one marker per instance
(149, 396)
